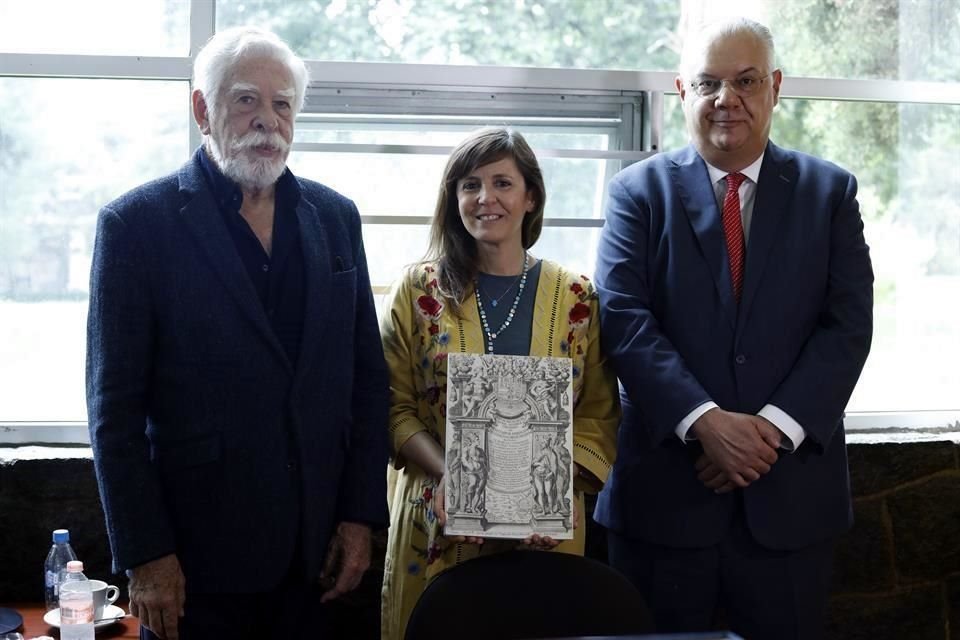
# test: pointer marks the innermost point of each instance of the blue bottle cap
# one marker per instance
(60, 536)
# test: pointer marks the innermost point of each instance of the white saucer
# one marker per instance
(111, 613)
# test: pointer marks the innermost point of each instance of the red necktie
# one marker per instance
(733, 231)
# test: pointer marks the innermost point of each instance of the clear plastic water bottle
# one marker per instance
(56, 565)
(76, 604)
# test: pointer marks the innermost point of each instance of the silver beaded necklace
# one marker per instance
(492, 335)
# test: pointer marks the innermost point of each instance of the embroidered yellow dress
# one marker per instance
(418, 333)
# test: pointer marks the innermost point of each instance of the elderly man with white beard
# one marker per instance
(236, 387)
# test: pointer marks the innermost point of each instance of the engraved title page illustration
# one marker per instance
(508, 446)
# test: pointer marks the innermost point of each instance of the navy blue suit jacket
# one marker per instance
(208, 442)
(677, 338)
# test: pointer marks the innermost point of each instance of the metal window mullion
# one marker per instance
(203, 24)
(56, 65)
(406, 149)
(466, 78)
(654, 114)
(898, 91)
(893, 426)
(354, 116)
(463, 108)
(381, 219)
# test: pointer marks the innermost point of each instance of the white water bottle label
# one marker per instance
(53, 581)
(76, 613)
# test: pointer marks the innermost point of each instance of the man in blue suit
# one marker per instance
(236, 387)
(736, 306)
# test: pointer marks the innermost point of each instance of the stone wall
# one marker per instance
(897, 573)
(898, 570)
(36, 497)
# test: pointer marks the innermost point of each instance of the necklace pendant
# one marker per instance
(493, 302)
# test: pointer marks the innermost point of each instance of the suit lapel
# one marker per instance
(202, 217)
(692, 181)
(775, 186)
(317, 270)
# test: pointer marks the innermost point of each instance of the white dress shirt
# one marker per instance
(793, 433)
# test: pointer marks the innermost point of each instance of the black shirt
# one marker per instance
(515, 339)
(278, 277)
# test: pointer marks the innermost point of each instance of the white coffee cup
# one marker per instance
(103, 594)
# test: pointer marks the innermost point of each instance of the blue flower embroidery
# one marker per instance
(413, 568)
(443, 338)
(576, 372)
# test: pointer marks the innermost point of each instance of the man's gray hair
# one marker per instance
(698, 40)
(226, 48)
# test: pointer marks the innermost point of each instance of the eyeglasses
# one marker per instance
(745, 86)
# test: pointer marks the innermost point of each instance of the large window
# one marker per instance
(576, 34)
(95, 102)
(95, 27)
(388, 149)
(67, 147)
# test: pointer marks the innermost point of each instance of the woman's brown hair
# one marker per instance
(451, 246)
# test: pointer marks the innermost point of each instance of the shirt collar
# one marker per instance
(752, 171)
(226, 192)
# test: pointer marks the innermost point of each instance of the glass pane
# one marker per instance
(63, 156)
(905, 158)
(574, 248)
(407, 184)
(879, 39)
(380, 184)
(391, 248)
(546, 33)
(96, 27)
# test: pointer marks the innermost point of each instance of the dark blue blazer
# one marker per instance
(207, 441)
(676, 337)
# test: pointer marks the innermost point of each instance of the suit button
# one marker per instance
(291, 466)
(740, 359)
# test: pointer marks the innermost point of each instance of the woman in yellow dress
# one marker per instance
(481, 291)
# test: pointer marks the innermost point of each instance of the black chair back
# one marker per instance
(528, 594)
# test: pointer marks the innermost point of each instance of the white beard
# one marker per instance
(235, 162)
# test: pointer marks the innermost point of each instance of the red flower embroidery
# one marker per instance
(579, 312)
(427, 494)
(434, 329)
(429, 307)
(433, 394)
(570, 338)
(576, 288)
(432, 284)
